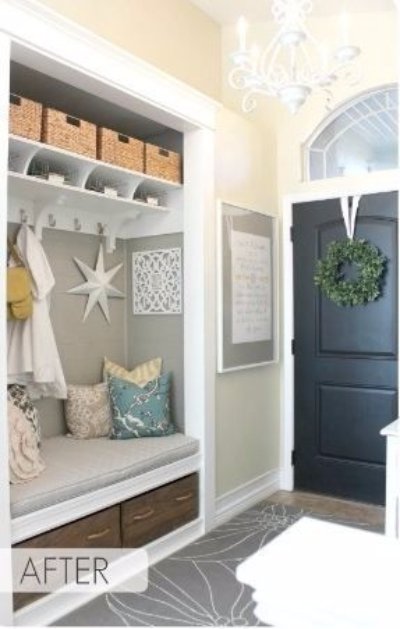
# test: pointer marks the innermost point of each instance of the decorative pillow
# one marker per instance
(140, 411)
(88, 411)
(141, 375)
(18, 395)
(25, 462)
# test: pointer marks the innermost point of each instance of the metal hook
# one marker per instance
(52, 220)
(23, 216)
(77, 225)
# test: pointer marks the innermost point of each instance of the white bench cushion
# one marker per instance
(78, 466)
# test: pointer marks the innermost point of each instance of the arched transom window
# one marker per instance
(361, 136)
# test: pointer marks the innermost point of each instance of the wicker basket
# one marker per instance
(162, 163)
(68, 132)
(120, 150)
(25, 117)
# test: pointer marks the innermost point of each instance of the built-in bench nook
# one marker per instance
(156, 493)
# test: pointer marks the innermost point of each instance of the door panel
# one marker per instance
(361, 327)
(346, 357)
(347, 421)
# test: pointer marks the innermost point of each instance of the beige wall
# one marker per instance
(173, 35)
(247, 402)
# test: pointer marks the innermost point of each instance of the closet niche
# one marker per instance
(138, 489)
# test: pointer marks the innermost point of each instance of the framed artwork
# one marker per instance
(247, 288)
(157, 282)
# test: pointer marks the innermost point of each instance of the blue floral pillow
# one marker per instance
(140, 411)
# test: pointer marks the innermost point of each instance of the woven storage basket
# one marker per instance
(68, 132)
(120, 150)
(162, 163)
(25, 117)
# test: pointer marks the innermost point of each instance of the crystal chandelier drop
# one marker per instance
(294, 63)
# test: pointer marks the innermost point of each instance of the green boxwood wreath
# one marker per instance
(366, 287)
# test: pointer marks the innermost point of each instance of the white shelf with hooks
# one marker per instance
(74, 204)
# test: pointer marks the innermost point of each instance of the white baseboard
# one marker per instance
(247, 495)
(51, 608)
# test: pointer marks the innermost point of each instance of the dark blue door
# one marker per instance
(345, 357)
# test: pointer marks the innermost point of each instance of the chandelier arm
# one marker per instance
(272, 47)
(308, 76)
(237, 78)
(267, 67)
(249, 101)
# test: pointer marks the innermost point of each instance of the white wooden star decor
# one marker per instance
(97, 285)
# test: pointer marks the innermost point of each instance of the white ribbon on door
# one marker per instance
(349, 213)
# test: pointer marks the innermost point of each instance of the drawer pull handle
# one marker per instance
(74, 121)
(184, 497)
(144, 516)
(99, 534)
(15, 100)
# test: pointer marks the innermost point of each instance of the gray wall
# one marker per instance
(158, 335)
(82, 346)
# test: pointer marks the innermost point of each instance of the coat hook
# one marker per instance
(101, 229)
(52, 220)
(77, 225)
(23, 216)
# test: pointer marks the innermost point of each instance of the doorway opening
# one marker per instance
(370, 189)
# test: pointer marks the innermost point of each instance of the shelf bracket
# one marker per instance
(41, 215)
(116, 226)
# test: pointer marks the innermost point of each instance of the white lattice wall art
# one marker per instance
(157, 282)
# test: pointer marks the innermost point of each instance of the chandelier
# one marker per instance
(294, 63)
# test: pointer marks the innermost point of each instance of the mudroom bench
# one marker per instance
(103, 492)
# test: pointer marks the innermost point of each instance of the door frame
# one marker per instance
(386, 181)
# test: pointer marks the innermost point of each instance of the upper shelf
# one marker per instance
(83, 174)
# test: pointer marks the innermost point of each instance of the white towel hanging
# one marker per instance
(32, 353)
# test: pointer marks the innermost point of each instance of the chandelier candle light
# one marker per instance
(294, 63)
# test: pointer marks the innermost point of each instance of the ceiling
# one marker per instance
(228, 11)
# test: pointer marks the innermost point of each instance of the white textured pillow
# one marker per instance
(88, 411)
(24, 456)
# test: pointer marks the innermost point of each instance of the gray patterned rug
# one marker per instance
(197, 586)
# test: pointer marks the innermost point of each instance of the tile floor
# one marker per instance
(325, 505)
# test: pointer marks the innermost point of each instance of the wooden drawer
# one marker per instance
(100, 530)
(159, 511)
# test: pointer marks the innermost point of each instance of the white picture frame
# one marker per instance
(240, 348)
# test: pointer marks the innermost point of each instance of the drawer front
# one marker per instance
(100, 530)
(159, 511)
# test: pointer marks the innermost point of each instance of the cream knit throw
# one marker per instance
(25, 461)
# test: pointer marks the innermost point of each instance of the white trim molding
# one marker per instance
(245, 496)
(5, 529)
